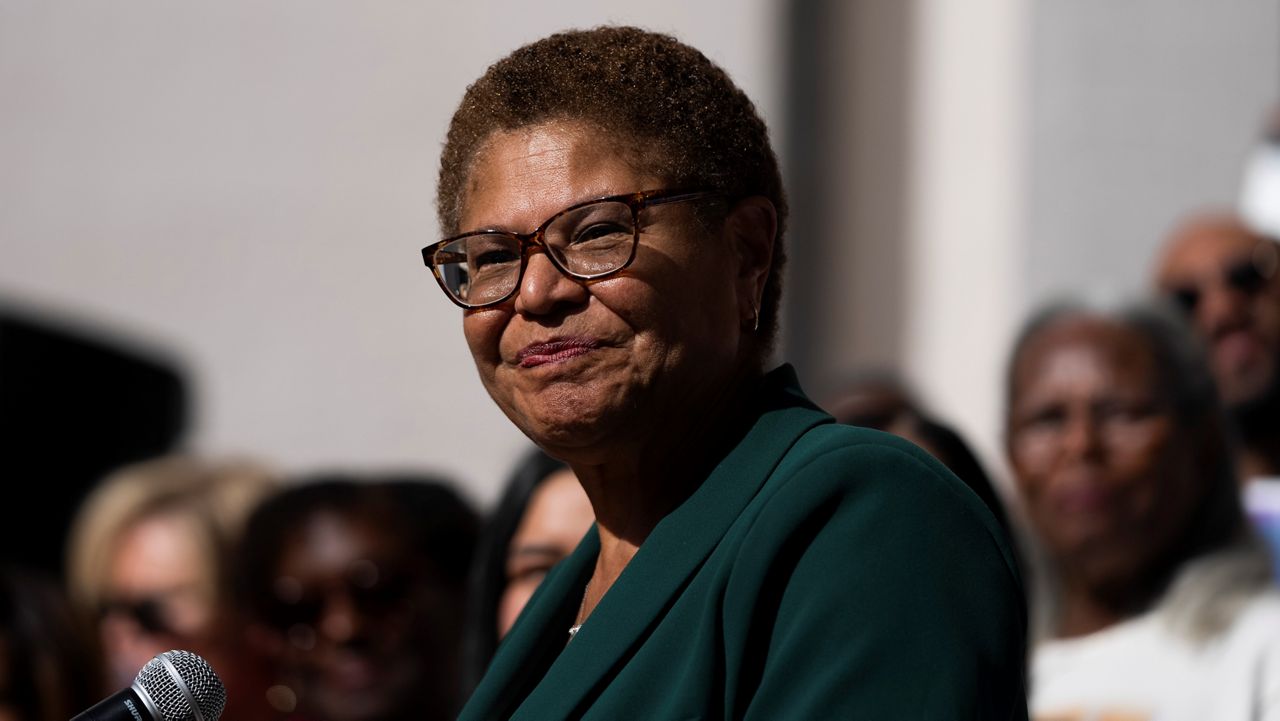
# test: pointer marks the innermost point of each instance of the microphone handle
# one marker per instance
(124, 705)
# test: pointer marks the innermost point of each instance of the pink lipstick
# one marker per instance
(554, 351)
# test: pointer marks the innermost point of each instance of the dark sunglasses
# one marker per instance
(1247, 276)
(147, 613)
(373, 599)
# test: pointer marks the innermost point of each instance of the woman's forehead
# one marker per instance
(1083, 347)
(521, 177)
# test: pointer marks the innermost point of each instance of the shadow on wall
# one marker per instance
(74, 405)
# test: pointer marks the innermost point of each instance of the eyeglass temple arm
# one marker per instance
(443, 257)
(680, 197)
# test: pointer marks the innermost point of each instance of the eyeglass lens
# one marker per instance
(372, 594)
(1242, 276)
(585, 242)
(147, 613)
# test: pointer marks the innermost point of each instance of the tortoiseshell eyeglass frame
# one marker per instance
(635, 201)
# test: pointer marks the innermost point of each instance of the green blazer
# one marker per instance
(821, 571)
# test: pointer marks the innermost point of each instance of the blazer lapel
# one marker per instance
(672, 553)
(537, 638)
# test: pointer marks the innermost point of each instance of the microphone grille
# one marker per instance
(173, 701)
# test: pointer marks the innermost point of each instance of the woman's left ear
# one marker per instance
(752, 228)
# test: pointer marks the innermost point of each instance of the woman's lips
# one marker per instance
(554, 351)
(1076, 498)
(352, 672)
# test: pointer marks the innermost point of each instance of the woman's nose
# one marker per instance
(340, 620)
(543, 287)
(1082, 437)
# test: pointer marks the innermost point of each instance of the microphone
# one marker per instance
(173, 686)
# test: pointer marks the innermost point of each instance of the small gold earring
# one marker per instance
(755, 319)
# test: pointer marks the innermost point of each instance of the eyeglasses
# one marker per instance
(149, 613)
(587, 241)
(373, 592)
(1247, 276)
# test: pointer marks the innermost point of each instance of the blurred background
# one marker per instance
(211, 213)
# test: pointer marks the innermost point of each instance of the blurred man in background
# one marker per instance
(1223, 275)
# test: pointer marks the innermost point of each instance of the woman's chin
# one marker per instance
(568, 433)
(571, 413)
(561, 434)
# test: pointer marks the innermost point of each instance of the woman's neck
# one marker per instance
(633, 488)
(1091, 607)
(1083, 614)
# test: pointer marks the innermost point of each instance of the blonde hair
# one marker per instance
(216, 496)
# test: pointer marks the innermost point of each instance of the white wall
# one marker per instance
(1056, 143)
(1041, 147)
(247, 186)
(1141, 111)
(965, 209)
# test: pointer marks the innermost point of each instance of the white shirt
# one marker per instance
(1141, 670)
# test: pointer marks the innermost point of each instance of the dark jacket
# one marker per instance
(821, 571)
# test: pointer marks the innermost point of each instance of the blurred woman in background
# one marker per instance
(1153, 600)
(358, 588)
(151, 555)
(541, 517)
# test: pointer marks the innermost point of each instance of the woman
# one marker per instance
(151, 557)
(358, 585)
(540, 519)
(1154, 599)
(613, 213)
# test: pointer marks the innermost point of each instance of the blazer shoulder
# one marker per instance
(851, 459)
(884, 581)
(887, 476)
